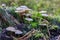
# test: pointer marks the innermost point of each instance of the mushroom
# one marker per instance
(29, 19)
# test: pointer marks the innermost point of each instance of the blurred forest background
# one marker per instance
(52, 6)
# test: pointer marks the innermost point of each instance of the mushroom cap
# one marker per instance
(43, 24)
(43, 12)
(25, 7)
(44, 15)
(29, 19)
(22, 9)
(27, 15)
(10, 29)
(18, 32)
(3, 4)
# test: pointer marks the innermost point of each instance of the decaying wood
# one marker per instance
(27, 35)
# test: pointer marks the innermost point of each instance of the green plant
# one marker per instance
(54, 27)
(36, 16)
(38, 34)
(34, 24)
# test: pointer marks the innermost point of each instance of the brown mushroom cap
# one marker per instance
(22, 9)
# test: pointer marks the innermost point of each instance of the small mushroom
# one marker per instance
(43, 24)
(10, 29)
(18, 32)
(45, 15)
(27, 15)
(29, 19)
(43, 12)
(22, 9)
(3, 5)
